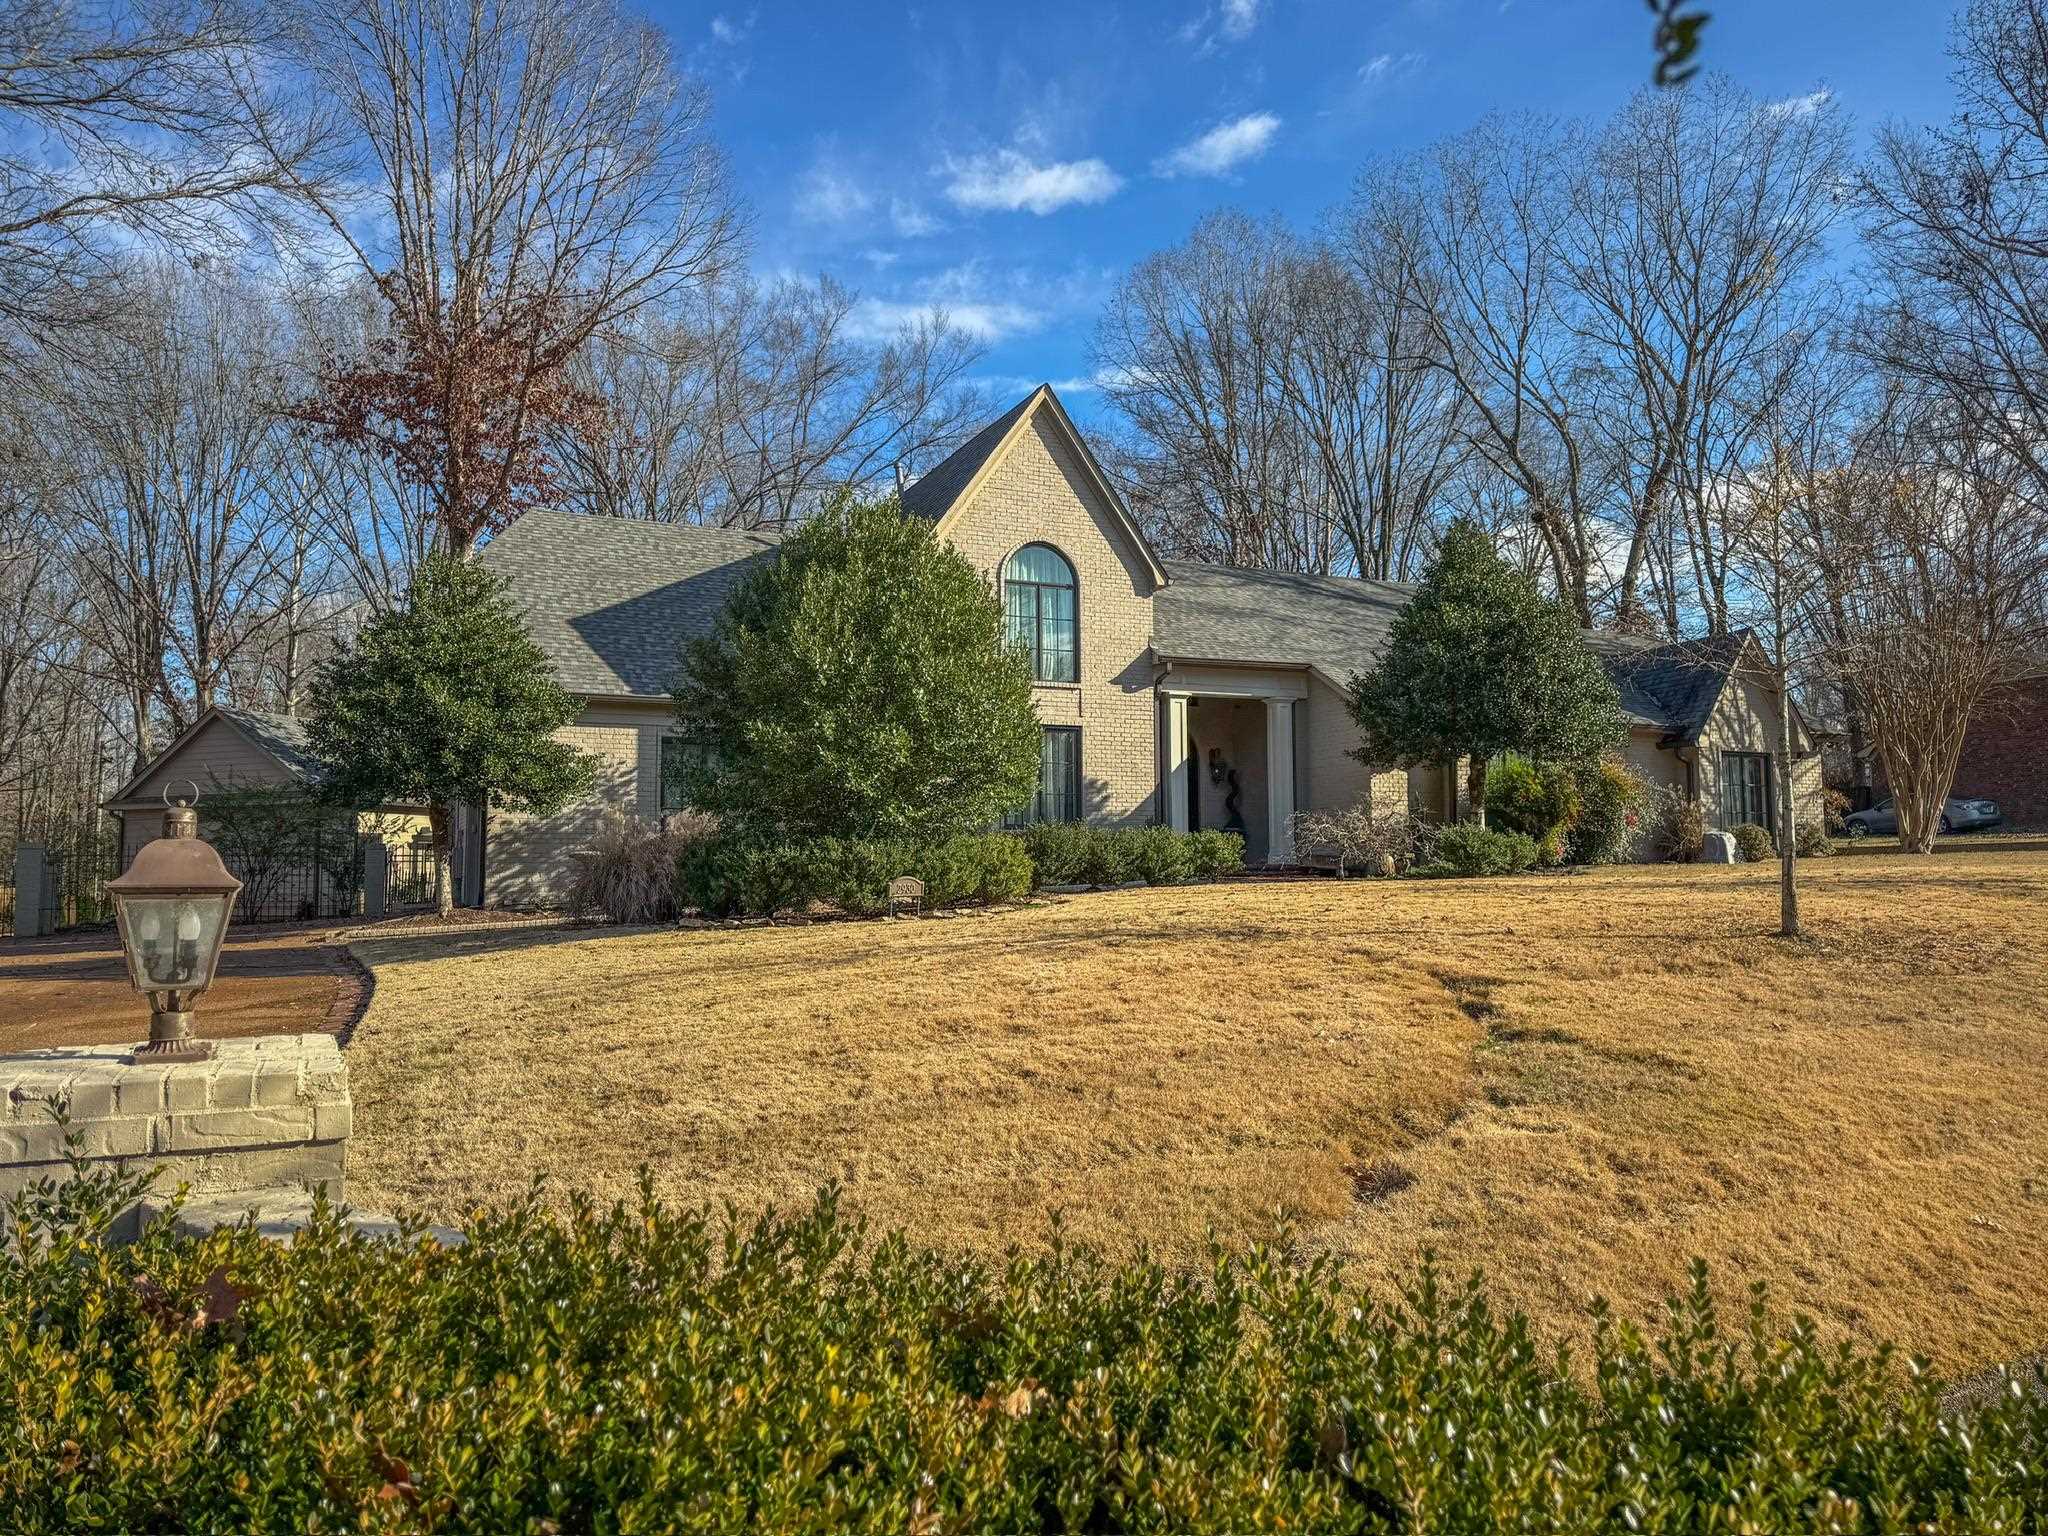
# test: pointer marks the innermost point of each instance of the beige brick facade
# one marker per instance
(527, 859)
(1746, 720)
(1281, 732)
(1040, 492)
(1332, 779)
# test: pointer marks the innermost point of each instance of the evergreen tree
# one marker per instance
(1480, 662)
(447, 701)
(859, 685)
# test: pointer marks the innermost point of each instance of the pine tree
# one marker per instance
(859, 685)
(444, 702)
(1479, 663)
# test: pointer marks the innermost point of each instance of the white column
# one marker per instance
(1280, 781)
(1176, 761)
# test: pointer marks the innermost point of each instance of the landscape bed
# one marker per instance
(1576, 1083)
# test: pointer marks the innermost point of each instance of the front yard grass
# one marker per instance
(1575, 1083)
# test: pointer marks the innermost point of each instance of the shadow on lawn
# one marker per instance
(97, 957)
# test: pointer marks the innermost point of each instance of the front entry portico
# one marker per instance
(1228, 759)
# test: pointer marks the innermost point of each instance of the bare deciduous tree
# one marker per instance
(752, 406)
(1957, 221)
(176, 120)
(540, 171)
(1938, 572)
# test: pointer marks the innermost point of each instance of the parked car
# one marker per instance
(1956, 816)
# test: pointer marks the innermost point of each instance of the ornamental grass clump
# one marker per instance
(637, 1368)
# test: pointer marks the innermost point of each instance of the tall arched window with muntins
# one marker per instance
(1041, 607)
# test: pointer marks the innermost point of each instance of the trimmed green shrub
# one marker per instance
(1754, 843)
(1616, 813)
(1541, 802)
(635, 1368)
(1161, 856)
(1466, 848)
(1215, 853)
(1811, 841)
(1074, 853)
(1112, 857)
(724, 876)
(1058, 851)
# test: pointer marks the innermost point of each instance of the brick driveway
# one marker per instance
(73, 990)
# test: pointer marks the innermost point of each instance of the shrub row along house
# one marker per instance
(1189, 695)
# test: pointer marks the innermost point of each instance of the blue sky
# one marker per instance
(1010, 162)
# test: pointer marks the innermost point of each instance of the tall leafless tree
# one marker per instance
(1957, 219)
(750, 406)
(538, 171)
(178, 121)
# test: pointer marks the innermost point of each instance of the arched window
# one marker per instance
(1040, 606)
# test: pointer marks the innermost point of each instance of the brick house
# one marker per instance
(1183, 694)
(2003, 756)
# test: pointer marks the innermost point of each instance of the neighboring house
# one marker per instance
(2005, 755)
(237, 749)
(1192, 695)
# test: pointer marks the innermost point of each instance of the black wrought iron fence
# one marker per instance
(75, 893)
(411, 877)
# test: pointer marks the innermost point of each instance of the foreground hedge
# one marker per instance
(643, 1370)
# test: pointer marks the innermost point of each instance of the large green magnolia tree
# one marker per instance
(444, 702)
(859, 685)
(1479, 663)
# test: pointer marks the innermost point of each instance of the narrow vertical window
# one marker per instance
(1040, 611)
(1059, 780)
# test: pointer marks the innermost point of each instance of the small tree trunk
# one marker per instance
(1475, 786)
(1788, 837)
(442, 825)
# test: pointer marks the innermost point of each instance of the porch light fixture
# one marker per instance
(172, 906)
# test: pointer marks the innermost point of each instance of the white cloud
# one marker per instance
(1222, 148)
(911, 221)
(989, 303)
(826, 194)
(1231, 21)
(1386, 68)
(1008, 181)
(729, 32)
(1802, 106)
(984, 319)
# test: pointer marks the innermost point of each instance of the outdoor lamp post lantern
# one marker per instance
(172, 906)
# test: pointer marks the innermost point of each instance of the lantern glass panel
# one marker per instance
(173, 941)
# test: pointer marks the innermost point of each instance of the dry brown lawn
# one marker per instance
(1575, 1082)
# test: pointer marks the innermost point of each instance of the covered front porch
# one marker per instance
(1229, 761)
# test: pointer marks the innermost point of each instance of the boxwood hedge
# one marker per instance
(641, 1369)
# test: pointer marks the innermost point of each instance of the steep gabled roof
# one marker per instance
(281, 737)
(933, 494)
(1670, 684)
(611, 600)
(950, 486)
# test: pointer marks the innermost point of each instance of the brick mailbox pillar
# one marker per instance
(259, 1115)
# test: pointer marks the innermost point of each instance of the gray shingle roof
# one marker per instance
(933, 494)
(282, 736)
(610, 600)
(1670, 684)
(1336, 624)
